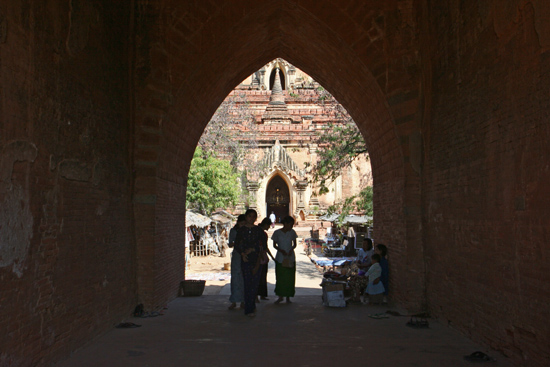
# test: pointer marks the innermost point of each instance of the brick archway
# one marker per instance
(102, 103)
(179, 94)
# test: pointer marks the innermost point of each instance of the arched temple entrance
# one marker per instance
(277, 197)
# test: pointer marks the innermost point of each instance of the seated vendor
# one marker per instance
(364, 255)
(358, 281)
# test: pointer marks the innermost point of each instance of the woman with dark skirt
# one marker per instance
(264, 261)
(237, 283)
(249, 242)
(382, 250)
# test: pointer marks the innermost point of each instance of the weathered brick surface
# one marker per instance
(67, 258)
(486, 176)
(97, 137)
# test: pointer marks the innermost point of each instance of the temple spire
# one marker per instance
(276, 111)
(277, 96)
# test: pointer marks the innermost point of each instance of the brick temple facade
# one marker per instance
(285, 104)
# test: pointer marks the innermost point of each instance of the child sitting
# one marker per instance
(375, 288)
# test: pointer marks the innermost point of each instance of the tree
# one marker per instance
(361, 202)
(364, 201)
(231, 132)
(212, 183)
(340, 143)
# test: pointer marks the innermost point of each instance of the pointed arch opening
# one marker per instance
(191, 99)
(277, 198)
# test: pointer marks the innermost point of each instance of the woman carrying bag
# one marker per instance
(284, 241)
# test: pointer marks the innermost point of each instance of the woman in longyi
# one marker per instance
(284, 241)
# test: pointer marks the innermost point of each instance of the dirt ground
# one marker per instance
(208, 264)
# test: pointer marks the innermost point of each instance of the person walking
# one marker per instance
(284, 241)
(249, 242)
(264, 261)
(273, 218)
(237, 283)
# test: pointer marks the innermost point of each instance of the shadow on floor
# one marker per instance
(200, 331)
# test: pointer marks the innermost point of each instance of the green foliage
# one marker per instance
(339, 146)
(344, 209)
(357, 203)
(340, 143)
(212, 183)
(364, 201)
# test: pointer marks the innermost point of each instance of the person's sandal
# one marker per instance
(479, 357)
(127, 325)
(418, 322)
(232, 306)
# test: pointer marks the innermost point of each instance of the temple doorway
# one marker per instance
(277, 198)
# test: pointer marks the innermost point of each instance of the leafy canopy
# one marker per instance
(212, 183)
(339, 145)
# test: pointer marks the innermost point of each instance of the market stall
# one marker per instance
(222, 221)
(353, 229)
(200, 241)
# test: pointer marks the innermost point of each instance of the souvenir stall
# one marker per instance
(196, 228)
(346, 235)
(338, 252)
(221, 222)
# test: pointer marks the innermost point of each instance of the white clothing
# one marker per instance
(272, 217)
(364, 256)
(375, 271)
(284, 241)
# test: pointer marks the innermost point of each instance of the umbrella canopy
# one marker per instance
(329, 217)
(350, 219)
(357, 219)
(225, 214)
(221, 219)
(196, 219)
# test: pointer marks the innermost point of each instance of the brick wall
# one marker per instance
(184, 71)
(454, 112)
(67, 258)
(486, 193)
